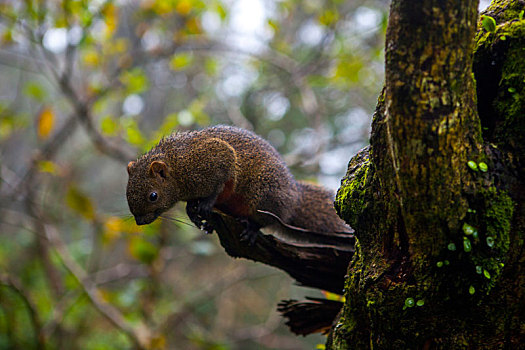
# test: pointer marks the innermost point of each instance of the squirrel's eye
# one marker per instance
(153, 196)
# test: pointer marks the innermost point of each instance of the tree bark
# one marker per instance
(437, 204)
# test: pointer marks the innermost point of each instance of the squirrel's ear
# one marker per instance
(130, 164)
(158, 168)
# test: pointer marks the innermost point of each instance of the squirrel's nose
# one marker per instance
(142, 220)
(147, 218)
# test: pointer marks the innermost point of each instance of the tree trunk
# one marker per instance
(436, 201)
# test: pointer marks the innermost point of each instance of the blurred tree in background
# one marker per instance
(89, 85)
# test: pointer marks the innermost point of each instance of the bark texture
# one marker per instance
(318, 266)
(436, 201)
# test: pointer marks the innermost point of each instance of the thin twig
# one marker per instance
(141, 335)
(59, 311)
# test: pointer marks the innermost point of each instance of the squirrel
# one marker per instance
(242, 175)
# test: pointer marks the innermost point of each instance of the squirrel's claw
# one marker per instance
(207, 227)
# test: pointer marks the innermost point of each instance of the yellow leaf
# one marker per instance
(46, 121)
(111, 15)
(113, 223)
(193, 26)
(329, 17)
(120, 45)
(112, 229)
(91, 58)
(80, 202)
(103, 294)
(114, 226)
(46, 166)
(7, 37)
(158, 342)
(183, 7)
(162, 7)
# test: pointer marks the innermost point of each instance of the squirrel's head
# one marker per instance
(149, 192)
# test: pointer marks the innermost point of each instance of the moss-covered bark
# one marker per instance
(437, 204)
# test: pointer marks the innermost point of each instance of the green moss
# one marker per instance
(497, 218)
(351, 197)
(503, 10)
(487, 250)
(348, 322)
(507, 98)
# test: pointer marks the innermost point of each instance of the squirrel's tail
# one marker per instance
(314, 315)
(314, 220)
(316, 207)
(316, 217)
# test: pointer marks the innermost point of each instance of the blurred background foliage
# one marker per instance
(86, 86)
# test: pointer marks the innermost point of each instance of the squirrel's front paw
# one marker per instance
(193, 213)
(199, 212)
(204, 208)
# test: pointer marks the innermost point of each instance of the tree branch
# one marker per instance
(318, 266)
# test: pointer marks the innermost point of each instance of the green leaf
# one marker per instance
(347, 71)
(169, 124)
(108, 126)
(181, 61)
(467, 229)
(35, 90)
(472, 165)
(409, 302)
(211, 66)
(133, 134)
(467, 246)
(483, 167)
(274, 25)
(135, 81)
(488, 23)
(143, 250)
(221, 10)
(47, 166)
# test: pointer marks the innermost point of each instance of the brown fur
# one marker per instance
(242, 173)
